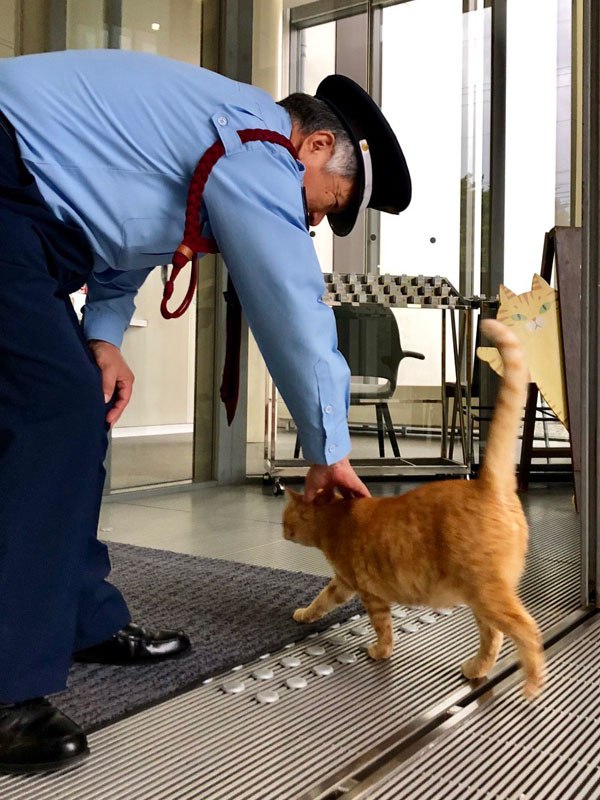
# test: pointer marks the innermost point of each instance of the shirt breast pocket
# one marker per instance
(148, 241)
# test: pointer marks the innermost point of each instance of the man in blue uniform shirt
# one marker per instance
(97, 150)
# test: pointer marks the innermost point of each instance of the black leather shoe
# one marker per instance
(134, 645)
(37, 737)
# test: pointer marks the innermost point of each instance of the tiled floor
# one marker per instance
(241, 523)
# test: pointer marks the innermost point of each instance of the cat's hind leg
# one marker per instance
(490, 642)
(381, 619)
(336, 593)
(504, 610)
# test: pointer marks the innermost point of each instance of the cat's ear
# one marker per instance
(293, 496)
(324, 497)
(539, 284)
(505, 294)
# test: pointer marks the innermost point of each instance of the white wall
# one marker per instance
(161, 356)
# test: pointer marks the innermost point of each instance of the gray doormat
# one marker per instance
(233, 613)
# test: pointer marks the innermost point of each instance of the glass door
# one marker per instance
(429, 64)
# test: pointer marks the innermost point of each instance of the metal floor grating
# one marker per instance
(211, 745)
(506, 748)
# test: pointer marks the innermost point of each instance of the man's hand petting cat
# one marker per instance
(339, 476)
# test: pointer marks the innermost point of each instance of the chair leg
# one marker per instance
(380, 434)
(297, 447)
(385, 410)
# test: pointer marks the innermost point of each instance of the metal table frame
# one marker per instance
(461, 327)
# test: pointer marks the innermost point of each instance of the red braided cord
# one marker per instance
(193, 242)
(192, 236)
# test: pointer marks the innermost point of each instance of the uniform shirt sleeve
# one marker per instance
(110, 303)
(254, 205)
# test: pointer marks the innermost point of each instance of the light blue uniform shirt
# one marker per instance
(113, 138)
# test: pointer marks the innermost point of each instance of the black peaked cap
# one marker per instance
(362, 118)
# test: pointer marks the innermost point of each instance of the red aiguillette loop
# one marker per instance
(193, 242)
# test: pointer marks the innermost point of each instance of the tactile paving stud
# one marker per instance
(445, 612)
(289, 646)
(263, 674)
(233, 687)
(290, 661)
(355, 617)
(346, 658)
(409, 627)
(268, 696)
(360, 630)
(315, 650)
(264, 658)
(323, 670)
(238, 668)
(297, 682)
(430, 619)
(338, 640)
(399, 613)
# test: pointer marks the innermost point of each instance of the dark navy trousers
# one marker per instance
(54, 597)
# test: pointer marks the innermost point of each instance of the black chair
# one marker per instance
(369, 340)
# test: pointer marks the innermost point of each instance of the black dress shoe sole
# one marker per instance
(53, 766)
(83, 658)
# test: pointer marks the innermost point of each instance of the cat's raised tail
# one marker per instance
(499, 465)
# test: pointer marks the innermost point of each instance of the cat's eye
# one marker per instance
(544, 307)
(518, 317)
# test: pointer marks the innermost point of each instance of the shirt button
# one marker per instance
(328, 409)
(222, 120)
(332, 448)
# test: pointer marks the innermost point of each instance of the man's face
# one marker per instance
(325, 193)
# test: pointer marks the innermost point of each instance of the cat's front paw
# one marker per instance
(378, 651)
(302, 615)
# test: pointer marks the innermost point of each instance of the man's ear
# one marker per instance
(319, 141)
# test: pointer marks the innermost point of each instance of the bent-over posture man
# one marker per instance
(97, 150)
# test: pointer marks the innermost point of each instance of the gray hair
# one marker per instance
(312, 114)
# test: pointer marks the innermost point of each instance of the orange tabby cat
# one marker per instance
(442, 544)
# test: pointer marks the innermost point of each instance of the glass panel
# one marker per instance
(538, 156)
(563, 114)
(153, 441)
(443, 158)
(531, 136)
(428, 106)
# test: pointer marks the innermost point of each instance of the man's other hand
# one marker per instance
(116, 375)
